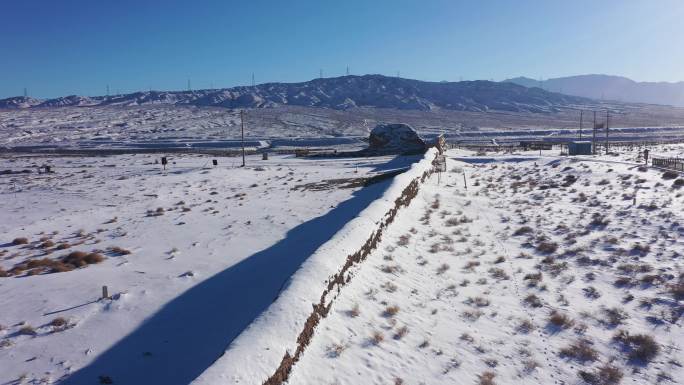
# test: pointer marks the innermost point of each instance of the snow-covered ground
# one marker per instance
(545, 270)
(201, 128)
(191, 256)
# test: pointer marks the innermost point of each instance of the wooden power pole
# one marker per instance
(607, 120)
(581, 116)
(242, 133)
(593, 137)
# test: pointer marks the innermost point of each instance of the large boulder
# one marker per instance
(397, 138)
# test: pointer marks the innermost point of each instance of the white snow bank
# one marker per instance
(254, 355)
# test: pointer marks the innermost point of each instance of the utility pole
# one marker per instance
(320, 73)
(607, 122)
(347, 70)
(25, 92)
(107, 89)
(242, 125)
(581, 116)
(593, 138)
(253, 84)
(189, 88)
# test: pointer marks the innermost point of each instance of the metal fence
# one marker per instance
(671, 163)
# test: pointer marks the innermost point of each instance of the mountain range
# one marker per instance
(607, 87)
(340, 93)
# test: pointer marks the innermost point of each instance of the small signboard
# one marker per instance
(214, 162)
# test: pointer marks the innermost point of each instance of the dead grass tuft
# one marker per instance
(487, 378)
(581, 351)
(20, 241)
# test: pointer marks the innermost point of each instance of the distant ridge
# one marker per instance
(339, 93)
(610, 87)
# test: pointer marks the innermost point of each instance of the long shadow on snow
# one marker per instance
(189, 333)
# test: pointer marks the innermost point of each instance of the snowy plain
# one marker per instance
(191, 255)
(544, 270)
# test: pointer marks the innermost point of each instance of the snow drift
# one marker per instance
(267, 349)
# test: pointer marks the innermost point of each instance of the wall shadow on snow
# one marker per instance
(175, 345)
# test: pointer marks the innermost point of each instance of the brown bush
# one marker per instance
(401, 332)
(560, 320)
(58, 322)
(376, 338)
(20, 241)
(522, 230)
(533, 300)
(80, 258)
(641, 347)
(605, 375)
(63, 246)
(487, 378)
(547, 247)
(46, 244)
(581, 351)
(391, 311)
(118, 250)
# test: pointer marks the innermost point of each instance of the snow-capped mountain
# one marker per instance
(611, 88)
(341, 93)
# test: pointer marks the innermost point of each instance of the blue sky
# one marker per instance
(64, 47)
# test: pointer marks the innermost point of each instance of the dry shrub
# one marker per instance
(522, 230)
(525, 326)
(497, 273)
(533, 300)
(80, 258)
(614, 316)
(581, 351)
(20, 241)
(677, 290)
(58, 322)
(668, 175)
(335, 350)
(391, 311)
(560, 320)
(605, 375)
(63, 246)
(641, 347)
(487, 378)
(46, 244)
(376, 338)
(443, 268)
(118, 250)
(401, 332)
(547, 247)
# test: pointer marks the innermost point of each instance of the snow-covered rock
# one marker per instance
(396, 138)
